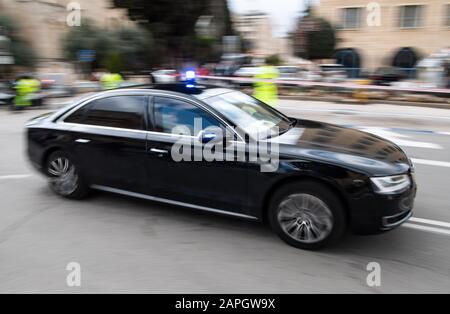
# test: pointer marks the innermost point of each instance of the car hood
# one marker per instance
(350, 148)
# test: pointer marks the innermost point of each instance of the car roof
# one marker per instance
(199, 91)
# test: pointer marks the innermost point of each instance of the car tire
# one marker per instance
(307, 215)
(66, 178)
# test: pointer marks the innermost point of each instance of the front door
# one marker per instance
(214, 184)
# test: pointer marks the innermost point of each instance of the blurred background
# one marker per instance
(69, 45)
(379, 66)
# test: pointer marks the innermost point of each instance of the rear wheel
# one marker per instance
(307, 215)
(65, 177)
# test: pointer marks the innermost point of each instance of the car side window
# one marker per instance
(178, 117)
(77, 116)
(126, 112)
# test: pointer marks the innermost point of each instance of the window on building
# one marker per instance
(351, 18)
(411, 16)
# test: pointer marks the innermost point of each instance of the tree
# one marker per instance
(172, 23)
(21, 50)
(273, 60)
(135, 46)
(314, 38)
(114, 63)
(124, 49)
(87, 37)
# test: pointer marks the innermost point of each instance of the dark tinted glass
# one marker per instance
(175, 116)
(77, 116)
(125, 112)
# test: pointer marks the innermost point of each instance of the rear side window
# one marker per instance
(127, 112)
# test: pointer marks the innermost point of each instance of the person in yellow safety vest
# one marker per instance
(111, 80)
(25, 87)
(267, 92)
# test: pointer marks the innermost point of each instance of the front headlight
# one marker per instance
(392, 184)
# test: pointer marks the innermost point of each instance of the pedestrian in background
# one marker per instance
(266, 91)
(25, 87)
(111, 80)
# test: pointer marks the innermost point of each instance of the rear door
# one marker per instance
(110, 141)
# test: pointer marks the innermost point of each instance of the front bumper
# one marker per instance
(375, 213)
(391, 222)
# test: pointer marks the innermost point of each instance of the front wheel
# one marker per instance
(65, 177)
(307, 215)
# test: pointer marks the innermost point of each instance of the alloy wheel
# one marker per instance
(64, 178)
(305, 218)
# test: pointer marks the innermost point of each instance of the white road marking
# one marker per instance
(431, 162)
(367, 113)
(426, 228)
(430, 222)
(400, 139)
(15, 176)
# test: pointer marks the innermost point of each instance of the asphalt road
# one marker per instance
(128, 245)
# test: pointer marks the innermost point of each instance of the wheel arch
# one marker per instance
(303, 178)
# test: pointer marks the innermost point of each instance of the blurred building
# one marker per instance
(387, 32)
(256, 29)
(43, 22)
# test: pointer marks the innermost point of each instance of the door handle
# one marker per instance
(159, 151)
(82, 141)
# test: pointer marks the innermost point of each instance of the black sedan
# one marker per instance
(320, 180)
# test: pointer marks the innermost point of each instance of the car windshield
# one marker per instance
(250, 115)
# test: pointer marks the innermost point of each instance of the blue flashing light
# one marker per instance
(190, 75)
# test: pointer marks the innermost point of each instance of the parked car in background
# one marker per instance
(226, 68)
(386, 76)
(231, 62)
(56, 85)
(6, 94)
(332, 73)
(247, 72)
(287, 72)
(434, 70)
(164, 76)
(310, 75)
(203, 71)
(291, 73)
(86, 86)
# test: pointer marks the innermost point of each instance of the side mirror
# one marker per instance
(214, 135)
